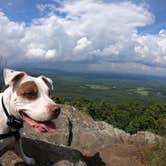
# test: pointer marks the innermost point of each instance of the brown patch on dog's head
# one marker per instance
(17, 78)
(28, 90)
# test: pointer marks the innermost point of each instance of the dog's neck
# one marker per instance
(6, 99)
(3, 118)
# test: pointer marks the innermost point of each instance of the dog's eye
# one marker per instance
(30, 94)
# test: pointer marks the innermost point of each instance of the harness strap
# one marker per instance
(4, 108)
(16, 134)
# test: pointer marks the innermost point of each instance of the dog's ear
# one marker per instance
(11, 76)
(48, 82)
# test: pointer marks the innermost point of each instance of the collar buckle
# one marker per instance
(14, 122)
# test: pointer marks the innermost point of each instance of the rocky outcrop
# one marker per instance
(81, 141)
(80, 131)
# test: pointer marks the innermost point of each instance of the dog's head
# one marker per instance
(30, 100)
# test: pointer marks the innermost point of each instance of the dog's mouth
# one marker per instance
(47, 126)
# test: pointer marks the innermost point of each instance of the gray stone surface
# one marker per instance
(81, 141)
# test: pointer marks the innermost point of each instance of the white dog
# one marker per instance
(25, 99)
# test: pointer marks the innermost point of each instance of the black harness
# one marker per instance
(14, 123)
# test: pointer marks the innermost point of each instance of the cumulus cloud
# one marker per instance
(83, 47)
(85, 30)
(151, 49)
(10, 35)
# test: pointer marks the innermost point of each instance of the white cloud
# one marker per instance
(92, 30)
(51, 53)
(36, 52)
(151, 49)
(83, 46)
(10, 35)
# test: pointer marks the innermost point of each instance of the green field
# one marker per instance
(112, 90)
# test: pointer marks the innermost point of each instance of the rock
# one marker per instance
(83, 133)
(81, 141)
(146, 137)
(121, 154)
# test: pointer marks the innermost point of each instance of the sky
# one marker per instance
(85, 35)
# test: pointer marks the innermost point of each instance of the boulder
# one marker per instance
(81, 141)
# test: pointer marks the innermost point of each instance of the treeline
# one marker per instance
(131, 117)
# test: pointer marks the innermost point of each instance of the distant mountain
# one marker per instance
(53, 71)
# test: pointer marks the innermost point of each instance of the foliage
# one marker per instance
(131, 117)
(155, 155)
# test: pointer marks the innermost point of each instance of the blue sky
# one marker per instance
(97, 35)
(158, 8)
(23, 10)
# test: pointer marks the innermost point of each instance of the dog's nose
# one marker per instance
(55, 109)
